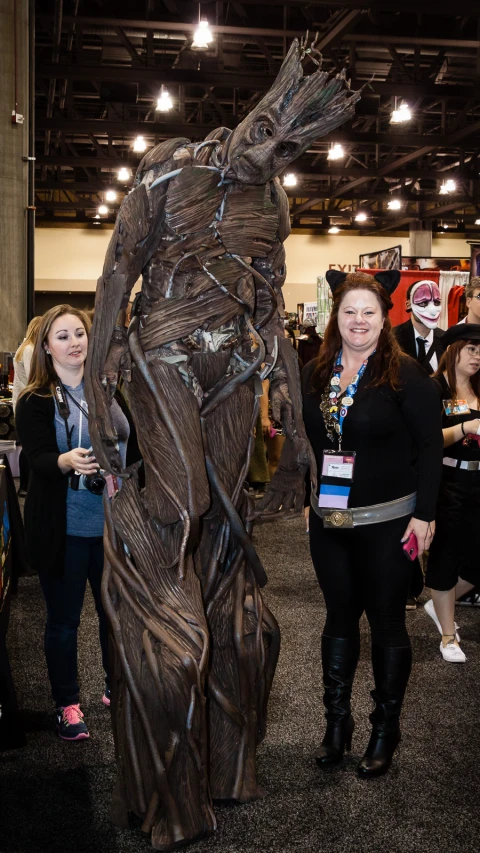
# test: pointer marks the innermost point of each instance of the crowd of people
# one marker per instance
(393, 418)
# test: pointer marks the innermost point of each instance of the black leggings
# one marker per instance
(363, 569)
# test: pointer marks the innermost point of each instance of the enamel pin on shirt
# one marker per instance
(339, 407)
(456, 407)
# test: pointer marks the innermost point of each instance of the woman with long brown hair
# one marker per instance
(372, 417)
(453, 562)
(64, 509)
(21, 366)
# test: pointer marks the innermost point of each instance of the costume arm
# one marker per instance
(136, 235)
(286, 490)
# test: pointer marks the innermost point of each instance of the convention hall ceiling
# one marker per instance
(101, 65)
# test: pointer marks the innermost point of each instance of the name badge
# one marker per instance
(336, 478)
(456, 407)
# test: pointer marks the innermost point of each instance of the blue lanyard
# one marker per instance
(339, 408)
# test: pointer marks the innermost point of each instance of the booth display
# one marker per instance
(205, 224)
(445, 281)
(384, 259)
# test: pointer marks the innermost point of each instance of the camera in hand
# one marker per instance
(94, 483)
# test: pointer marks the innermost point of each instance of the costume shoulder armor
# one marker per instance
(162, 152)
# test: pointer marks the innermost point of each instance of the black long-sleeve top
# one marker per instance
(457, 450)
(396, 435)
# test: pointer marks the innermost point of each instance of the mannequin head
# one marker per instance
(425, 303)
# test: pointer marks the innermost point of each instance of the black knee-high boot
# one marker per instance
(391, 671)
(339, 661)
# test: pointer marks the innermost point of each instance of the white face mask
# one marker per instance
(425, 303)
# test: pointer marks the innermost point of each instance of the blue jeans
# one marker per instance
(64, 599)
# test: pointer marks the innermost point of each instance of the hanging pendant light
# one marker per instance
(164, 101)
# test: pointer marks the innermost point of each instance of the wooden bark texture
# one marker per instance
(194, 645)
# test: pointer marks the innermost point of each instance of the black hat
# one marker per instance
(389, 279)
(461, 332)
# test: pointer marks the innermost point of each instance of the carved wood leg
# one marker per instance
(244, 634)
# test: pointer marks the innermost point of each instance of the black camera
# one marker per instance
(94, 483)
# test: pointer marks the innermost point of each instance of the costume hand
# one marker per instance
(423, 530)
(285, 492)
(281, 403)
(79, 459)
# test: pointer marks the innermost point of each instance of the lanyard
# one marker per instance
(339, 408)
(61, 394)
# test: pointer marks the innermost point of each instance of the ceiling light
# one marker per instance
(124, 174)
(477, 222)
(394, 204)
(445, 225)
(336, 152)
(289, 180)
(97, 216)
(448, 187)
(102, 209)
(139, 144)
(164, 102)
(401, 114)
(361, 217)
(202, 36)
(110, 195)
(334, 230)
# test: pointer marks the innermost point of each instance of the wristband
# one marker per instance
(463, 431)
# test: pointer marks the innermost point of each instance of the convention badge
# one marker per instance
(456, 407)
(336, 478)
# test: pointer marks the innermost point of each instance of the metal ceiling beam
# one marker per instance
(304, 178)
(339, 29)
(261, 82)
(366, 38)
(452, 139)
(170, 128)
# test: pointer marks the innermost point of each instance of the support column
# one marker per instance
(421, 239)
(13, 171)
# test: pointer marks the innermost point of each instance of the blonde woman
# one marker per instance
(21, 364)
(63, 511)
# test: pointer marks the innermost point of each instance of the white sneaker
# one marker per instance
(429, 608)
(452, 653)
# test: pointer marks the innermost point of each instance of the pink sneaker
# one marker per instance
(70, 724)
(107, 696)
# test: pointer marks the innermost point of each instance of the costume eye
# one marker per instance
(261, 131)
(285, 149)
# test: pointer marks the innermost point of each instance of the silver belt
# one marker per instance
(364, 514)
(472, 465)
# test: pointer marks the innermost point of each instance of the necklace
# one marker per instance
(334, 410)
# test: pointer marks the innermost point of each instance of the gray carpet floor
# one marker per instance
(54, 796)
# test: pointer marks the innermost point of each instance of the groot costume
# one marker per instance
(195, 645)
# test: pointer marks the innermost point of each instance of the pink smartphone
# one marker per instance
(411, 547)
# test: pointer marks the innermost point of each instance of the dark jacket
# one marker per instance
(309, 347)
(45, 514)
(405, 335)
